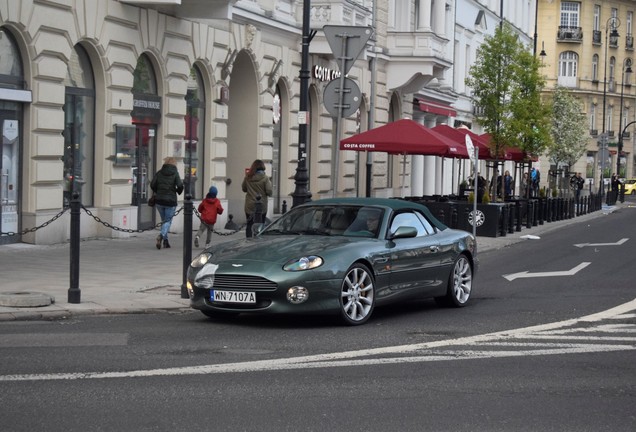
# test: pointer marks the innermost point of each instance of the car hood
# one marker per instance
(280, 249)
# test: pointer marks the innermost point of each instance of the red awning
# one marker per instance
(435, 108)
(404, 137)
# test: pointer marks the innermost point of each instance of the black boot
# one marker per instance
(166, 245)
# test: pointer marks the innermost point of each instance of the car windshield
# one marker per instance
(345, 220)
(630, 181)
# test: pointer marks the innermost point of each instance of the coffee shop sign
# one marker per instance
(325, 74)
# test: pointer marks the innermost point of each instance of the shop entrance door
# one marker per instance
(10, 175)
(142, 173)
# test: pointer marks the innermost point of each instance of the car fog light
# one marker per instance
(297, 295)
(189, 288)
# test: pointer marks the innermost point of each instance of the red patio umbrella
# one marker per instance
(514, 154)
(459, 135)
(404, 137)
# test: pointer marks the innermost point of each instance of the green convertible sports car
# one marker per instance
(343, 255)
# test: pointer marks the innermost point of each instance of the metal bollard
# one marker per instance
(454, 217)
(440, 216)
(74, 292)
(518, 211)
(187, 242)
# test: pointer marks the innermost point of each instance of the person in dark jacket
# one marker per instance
(166, 184)
(209, 208)
(256, 184)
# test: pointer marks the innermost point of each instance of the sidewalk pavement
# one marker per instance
(130, 275)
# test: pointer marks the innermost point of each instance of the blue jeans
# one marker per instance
(166, 213)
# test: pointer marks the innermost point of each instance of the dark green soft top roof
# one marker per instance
(395, 204)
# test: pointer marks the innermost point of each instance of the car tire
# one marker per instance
(357, 295)
(460, 283)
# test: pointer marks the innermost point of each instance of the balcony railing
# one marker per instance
(626, 134)
(596, 37)
(610, 133)
(629, 42)
(613, 41)
(570, 34)
(594, 132)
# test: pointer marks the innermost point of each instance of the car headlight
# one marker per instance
(201, 260)
(303, 263)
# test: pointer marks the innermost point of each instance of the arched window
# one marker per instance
(11, 75)
(568, 63)
(144, 80)
(595, 67)
(194, 178)
(12, 82)
(79, 128)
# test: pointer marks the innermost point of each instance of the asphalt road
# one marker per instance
(548, 350)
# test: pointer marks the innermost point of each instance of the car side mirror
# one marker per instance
(404, 232)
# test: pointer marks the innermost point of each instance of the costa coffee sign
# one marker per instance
(324, 74)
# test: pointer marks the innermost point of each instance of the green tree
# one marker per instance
(569, 128)
(507, 86)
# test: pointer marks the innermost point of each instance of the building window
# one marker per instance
(569, 14)
(595, 67)
(597, 18)
(568, 61)
(592, 117)
(79, 123)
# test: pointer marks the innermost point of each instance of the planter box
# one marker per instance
(488, 218)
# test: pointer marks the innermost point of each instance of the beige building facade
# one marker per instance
(96, 93)
(589, 47)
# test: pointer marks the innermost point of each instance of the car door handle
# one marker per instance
(381, 260)
(433, 248)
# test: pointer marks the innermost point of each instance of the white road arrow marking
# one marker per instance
(618, 243)
(526, 274)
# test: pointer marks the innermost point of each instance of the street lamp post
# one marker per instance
(301, 192)
(625, 70)
(615, 23)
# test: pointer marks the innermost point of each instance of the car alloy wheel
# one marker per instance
(460, 284)
(357, 295)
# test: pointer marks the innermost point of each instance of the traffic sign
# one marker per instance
(351, 97)
(347, 42)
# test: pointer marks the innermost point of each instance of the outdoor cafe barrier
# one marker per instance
(502, 218)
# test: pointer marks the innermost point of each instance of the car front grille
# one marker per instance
(242, 282)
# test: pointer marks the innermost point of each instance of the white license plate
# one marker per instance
(233, 296)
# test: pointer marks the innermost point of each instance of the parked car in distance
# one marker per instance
(342, 256)
(630, 186)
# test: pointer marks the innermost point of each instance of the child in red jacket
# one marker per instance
(209, 208)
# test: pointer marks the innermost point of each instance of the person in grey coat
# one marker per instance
(256, 184)
(166, 184)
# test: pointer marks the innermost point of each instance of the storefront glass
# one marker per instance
(79, 122)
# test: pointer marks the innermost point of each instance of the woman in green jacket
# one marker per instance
(166, 185)
(257, 187)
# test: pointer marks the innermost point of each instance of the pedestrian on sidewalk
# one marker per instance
(166, 184)
(209, 209)
(257, 186)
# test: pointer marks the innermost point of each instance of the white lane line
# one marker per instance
(347, 358)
